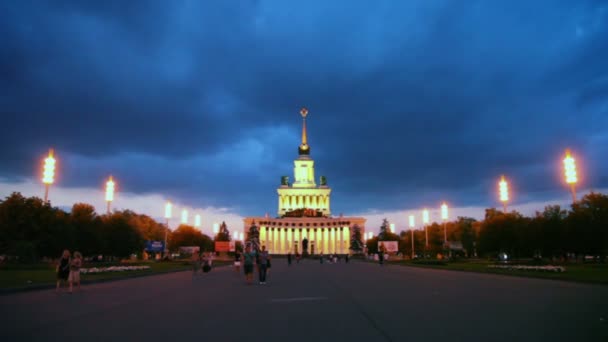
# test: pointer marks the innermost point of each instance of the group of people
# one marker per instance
(250, 259)
(333, 258)
(68, 270)
(201, 262)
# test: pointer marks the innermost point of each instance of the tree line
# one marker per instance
(31, 229)
(554, 232)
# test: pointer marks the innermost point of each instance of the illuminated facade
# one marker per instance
(304, 223)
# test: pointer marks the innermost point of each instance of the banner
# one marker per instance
(155, 246)
(389, 246)
(224, 246)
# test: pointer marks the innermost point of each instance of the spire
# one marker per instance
(304, 149)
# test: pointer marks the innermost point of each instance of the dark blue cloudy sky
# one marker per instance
(411, 102)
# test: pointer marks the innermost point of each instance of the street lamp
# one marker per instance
(393, 228)
(503, 188)
(412, 225)
(184, 216)
(168, 207)
(110, 186)
(216, 228)
(197, 221)
(444, 217)
(570, 172)
(48, 174)
(425, 221)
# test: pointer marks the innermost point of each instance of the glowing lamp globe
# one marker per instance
(110, 187)
(503, 188)
(444, 211)
(168, 208)
(49, 169)
(570, 168)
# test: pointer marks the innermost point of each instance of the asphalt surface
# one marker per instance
(312, 302)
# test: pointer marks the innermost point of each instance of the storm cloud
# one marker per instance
(410, 102)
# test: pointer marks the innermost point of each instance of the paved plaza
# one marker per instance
(312, 302)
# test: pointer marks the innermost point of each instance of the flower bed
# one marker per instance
(113, 269)
(549, 268)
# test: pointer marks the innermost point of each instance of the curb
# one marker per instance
(88, 282)
(85, 282)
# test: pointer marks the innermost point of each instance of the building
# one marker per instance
(304, 223)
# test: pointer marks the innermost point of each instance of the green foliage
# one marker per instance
(356, 244)
(186, 235)
(31, 229)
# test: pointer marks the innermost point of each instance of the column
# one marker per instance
(347, 239)
(318, 241)
(262, 233)
(296, 239)
(325, 242)
(285, 244)
(340, 242)
(333, 240)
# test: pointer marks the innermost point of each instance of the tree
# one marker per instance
(588, 225)
(186, 235)
(86, 224)
(356, 244)
(385, 233)
(223, 234)
(121, 238)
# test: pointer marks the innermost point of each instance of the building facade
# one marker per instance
(304, 223)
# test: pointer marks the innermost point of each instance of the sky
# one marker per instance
(411, 103)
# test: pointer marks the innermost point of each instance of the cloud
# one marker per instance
(409, 101)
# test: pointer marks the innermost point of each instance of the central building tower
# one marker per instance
(304, 194)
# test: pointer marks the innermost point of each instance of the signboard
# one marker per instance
(389, 246)
(155, 246)
(224, 246)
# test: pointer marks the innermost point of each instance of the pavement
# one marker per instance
(311, 302)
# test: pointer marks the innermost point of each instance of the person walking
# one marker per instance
(196, 264)
(321, 258)
(263, 265)
(63, 269)
(237, 261)
(248, 261)
(381, 258)
(289, 258)
(207, 259)
(75, 265)
(346, 258)
(298, 258)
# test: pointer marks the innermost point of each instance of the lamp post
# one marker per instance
(184, 216)
(110, 186)
(503, 188)
(197, 221)
(444, 218)
(48, 174)
(392, 228)
(412, 225)
(570, 173)
(168, 207)
(425, 221)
